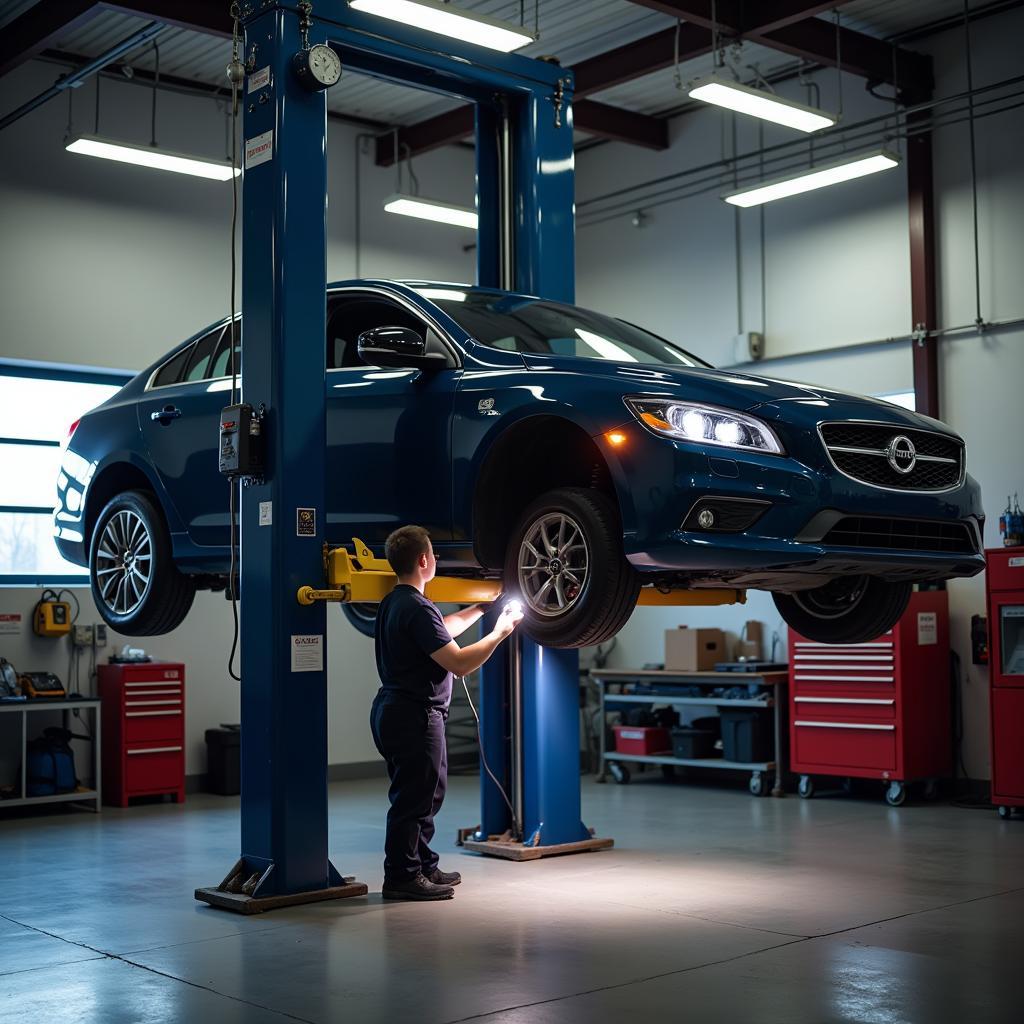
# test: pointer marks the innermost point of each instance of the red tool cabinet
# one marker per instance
(143, 730)
(876, 710)
(1004, 584)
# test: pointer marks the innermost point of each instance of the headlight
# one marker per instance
(704, 424)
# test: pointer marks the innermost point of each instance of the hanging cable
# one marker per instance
(716, 59)
(676, 76)
(156, 85)
(487, 767)
(764, 273)
(236, 74)
(412, 174)
(974, 164)
(96, 125)
(839, 65)
(70, 130)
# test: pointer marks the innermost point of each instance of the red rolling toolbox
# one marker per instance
(876, 710)
(143, 730)
(1004, 584)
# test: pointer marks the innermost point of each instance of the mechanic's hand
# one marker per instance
(509, 618)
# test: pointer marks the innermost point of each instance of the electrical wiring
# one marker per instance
(487, 767)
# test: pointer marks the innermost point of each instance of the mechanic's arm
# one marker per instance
(463, 660)
(459, 621)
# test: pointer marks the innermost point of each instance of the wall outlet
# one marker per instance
(99, 635)
(81, 636)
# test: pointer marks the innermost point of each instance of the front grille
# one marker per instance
(901, 535)
(861, 451)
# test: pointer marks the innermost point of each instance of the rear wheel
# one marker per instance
(848, 610)
(565, 563)
(135, 583)
(362, 616)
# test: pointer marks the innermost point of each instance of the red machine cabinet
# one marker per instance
(143, 730)
(1004, 585)
(876, 710)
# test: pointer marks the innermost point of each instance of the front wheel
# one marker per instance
(848, 610)
(135, 583)
(566, 564)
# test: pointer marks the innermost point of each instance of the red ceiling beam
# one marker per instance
(608, 122)
(39, 26)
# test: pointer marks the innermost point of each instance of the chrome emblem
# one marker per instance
(902, 454)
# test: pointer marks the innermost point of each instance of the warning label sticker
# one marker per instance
(305, 522)
(308, 652)
(259, 79)
(10, 624)
(260, 149)
(927, 628)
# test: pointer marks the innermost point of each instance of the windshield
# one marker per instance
(517, 323)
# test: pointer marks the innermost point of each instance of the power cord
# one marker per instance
(483, 760)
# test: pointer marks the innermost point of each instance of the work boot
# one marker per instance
(439, 877)
(418, 888)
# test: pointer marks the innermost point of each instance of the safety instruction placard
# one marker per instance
(308, 652)
(259, 150)
(10, 624)
(927, 628)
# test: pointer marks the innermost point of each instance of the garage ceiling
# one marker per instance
(198, 58)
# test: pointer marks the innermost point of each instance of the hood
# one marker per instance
(740, 391)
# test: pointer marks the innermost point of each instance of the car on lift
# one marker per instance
(572, 454)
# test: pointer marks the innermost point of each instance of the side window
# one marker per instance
(171, 372)
(202, 353)
(350, 318)
(221, 366)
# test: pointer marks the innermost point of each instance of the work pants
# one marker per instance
(410, 738)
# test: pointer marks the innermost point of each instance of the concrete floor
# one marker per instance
(714, 906)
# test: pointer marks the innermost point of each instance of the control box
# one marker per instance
(240, 452)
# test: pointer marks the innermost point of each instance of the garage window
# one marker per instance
(37, 408)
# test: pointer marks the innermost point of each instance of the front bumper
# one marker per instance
(658, 482)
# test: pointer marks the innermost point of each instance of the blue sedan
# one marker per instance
(574, 455)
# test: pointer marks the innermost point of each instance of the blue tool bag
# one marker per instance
(50, 764)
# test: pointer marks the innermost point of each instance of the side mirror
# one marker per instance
(399, 347)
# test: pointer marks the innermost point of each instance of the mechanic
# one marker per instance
(416, 658)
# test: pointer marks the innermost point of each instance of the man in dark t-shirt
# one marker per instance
(416, 658)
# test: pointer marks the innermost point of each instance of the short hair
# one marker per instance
(404, 547)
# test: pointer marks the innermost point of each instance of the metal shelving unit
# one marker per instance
(623, 678)
(24, 708)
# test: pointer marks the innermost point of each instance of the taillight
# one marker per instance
(71, 430)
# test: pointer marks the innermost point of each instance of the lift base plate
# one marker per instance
(242, 904)
(495, 846)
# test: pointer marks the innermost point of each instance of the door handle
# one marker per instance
(167, 413)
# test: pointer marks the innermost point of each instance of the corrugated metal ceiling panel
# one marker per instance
(570, 29)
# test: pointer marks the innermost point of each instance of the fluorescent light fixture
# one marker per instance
(431, 209)
(744, 99)
(819, 177)
(447, 20)
(147, 156)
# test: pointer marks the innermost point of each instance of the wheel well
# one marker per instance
(113, 480)
(537, 455)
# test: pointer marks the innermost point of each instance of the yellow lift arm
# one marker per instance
(362, 578)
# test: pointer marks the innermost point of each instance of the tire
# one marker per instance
(849, 610)
(363, 617)
(132, 525)
(598, 586)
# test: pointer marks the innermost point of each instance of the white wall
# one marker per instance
(837, 273)
(109, 265)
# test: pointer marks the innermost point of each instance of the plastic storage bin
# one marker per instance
(223, 761)
(692, 743)
(746, 735)
(632, 739)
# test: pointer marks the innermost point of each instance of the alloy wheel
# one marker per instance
(124, 559)
(554, 563)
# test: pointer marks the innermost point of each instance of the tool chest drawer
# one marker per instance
(144, 730)
(828, 743)
(867, 708)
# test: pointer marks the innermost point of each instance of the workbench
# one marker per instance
(625, 679)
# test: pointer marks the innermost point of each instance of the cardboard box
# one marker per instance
(693, 650)
(751, 642)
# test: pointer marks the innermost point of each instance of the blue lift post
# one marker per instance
(525, 196)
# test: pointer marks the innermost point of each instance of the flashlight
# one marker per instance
(514, 607)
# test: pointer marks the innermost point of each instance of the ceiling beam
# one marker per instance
(791, 26)
(36, 29)
(608, 122)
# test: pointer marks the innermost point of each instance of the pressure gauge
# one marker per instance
(319, 67)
